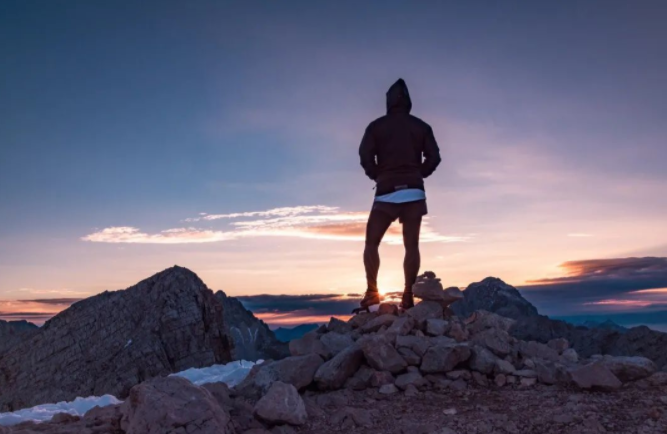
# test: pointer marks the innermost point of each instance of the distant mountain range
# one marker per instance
(287, 334)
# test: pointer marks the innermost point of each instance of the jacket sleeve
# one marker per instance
(367, 152)
(431, 154)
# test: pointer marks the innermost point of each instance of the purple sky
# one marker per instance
(224, 139)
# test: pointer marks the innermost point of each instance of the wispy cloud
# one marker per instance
(309, 222)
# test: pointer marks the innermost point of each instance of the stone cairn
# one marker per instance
(424, 347)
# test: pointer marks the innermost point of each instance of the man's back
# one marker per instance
(393, 146)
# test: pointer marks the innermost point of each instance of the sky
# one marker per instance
(224, 137)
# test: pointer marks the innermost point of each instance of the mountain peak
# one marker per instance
(494, 295)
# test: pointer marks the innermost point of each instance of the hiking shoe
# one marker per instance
(370, 298)
(407, 301)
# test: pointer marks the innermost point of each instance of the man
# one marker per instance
(397, 151)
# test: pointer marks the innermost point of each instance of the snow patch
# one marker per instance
(45, 412)
(232, 373)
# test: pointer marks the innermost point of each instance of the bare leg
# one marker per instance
(412, 259)
(378, 223)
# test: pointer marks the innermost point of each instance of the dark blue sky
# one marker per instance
(552, 118)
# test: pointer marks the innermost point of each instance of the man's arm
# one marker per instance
(367, 154)
(431, 154)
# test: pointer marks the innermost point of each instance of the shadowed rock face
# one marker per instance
(114, 340)
(493, 295)
(252, 338)
(13, 332)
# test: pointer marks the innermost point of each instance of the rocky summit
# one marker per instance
(115, 340)
(422, 371)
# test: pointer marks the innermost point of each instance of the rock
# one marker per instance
(335, 342)
(629, 368)
(333, 373)
(495, 340)
(388, 389)
(558, 344)
(411, 378)
(168, 404)
(504, 367)
(401, 326)
(440, 358)
(411, 391)
(534, 349)
(112, 341)
(570, 356)
(252, 338)
(480, 379)
(482, 320)
(500, 380)
(381, 378)
(527, 373)
(594, 375)
(387, 308)
(482, 360)
(383, 357)
(410, 356)
(281, 404)
(425, 310)
(457, 332)
(298, 371)
(361, 379)
(220, 392)
(360, 319)
(436, 327)
(527, 381)
(308, 344)
(548, 372)
(376, 323)
(350, 417)
(460, 373)
(493, 295)
(418, 344)
(459, 384)
(337, 326)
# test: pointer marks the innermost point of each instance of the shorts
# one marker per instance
(402, 211)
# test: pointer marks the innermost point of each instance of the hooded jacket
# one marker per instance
(398, 150)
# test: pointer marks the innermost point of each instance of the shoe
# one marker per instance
(370, 298)
(407, 301)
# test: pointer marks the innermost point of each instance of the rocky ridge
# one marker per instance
(252, 338)
(12, 332)
(421, 371)
(112, 341)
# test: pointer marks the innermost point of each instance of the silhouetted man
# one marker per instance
(397, 151)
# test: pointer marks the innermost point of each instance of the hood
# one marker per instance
(398, 98)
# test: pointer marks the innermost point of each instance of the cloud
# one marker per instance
(309, 222)
(615, 283)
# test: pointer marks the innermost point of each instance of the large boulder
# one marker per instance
(281, 404)
(333, 373)
(298, 371)
(382, 356)
(171, 405)
(629, 368)
(444, 358)
(495, 340)
(425, 310)
(594, 375)
(482, 360)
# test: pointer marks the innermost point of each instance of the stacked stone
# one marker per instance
(422, 349)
